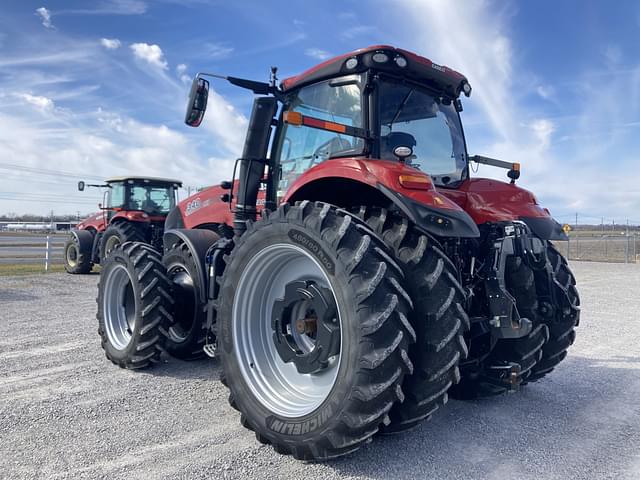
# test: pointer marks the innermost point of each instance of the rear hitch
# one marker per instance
(506, 375)
(503, 313)
(215, 266)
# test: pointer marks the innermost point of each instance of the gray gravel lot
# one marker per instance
(66, 412)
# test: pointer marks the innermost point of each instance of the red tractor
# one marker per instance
(134, 209)
(354, 275)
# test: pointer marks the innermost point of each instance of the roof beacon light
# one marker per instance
(380, 57)
(351, 63)
(400, 61)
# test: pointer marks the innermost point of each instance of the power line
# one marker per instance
(45, 171)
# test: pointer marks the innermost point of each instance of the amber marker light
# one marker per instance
(292, 118)
(415, 182)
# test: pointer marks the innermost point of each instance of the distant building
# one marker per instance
(37, 226)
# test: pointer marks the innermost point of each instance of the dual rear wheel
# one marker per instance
(330, 327)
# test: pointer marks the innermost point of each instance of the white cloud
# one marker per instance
(109, 7)
(181, 72)
(317, 53)
(356, 31)
(225, 122)
(45, 15)
(110, 43)
(216, 50)
(613, 54)
(152, 54)
(542, 130)
(40, 102)
(545, 91)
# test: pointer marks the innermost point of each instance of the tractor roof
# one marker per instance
(417, 68)
(145, 179)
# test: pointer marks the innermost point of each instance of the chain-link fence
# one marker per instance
(622, 247)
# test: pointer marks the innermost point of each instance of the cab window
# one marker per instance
(303, 147)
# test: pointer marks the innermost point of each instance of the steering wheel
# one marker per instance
(336, 144)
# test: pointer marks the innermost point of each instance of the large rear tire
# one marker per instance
(438, 317)
(564, 316)
(117, 234)
(76, 259)
(352, 334)
(134, 305)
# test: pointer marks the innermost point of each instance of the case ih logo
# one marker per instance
(440, 68)
(193, 206)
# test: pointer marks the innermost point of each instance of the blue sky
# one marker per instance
(99, 88)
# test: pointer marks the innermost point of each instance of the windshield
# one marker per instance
(154, 200)
(409, 114)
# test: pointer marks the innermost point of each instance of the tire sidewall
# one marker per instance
(323, 417)
(115, 259)
(72, 242)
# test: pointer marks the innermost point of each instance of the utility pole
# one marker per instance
(576, 220)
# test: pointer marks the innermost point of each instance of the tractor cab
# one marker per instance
(379, 103)
(154, 197)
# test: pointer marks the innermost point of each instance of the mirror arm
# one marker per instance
(259, 88)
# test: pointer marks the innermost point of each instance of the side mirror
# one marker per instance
(197, 102)
(99, 206)
(81, 185)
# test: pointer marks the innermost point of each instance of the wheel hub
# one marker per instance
(305, 326)
(72, 255)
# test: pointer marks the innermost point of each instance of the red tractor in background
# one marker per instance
(134, 209)
(354, 275)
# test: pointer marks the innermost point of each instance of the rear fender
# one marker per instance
(85, 240)
(351, 182)
(198, 241)
(132, 216)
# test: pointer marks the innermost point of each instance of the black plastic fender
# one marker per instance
(546, 228)
(432, 220)
(198, 241)
(85, 240)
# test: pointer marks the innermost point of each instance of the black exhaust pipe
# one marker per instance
(253, 160)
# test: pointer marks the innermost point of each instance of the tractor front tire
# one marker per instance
(187, 335)
(76, 259)
(309, 288)
(118, 233)
(134, 305)
(438, 317)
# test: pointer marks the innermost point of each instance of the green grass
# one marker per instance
(28, 269)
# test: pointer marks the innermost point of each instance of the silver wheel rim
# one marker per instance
(277, 385)
(112, 242)
(72, 255)
(119, 307)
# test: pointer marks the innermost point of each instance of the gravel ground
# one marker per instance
(66, 412)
